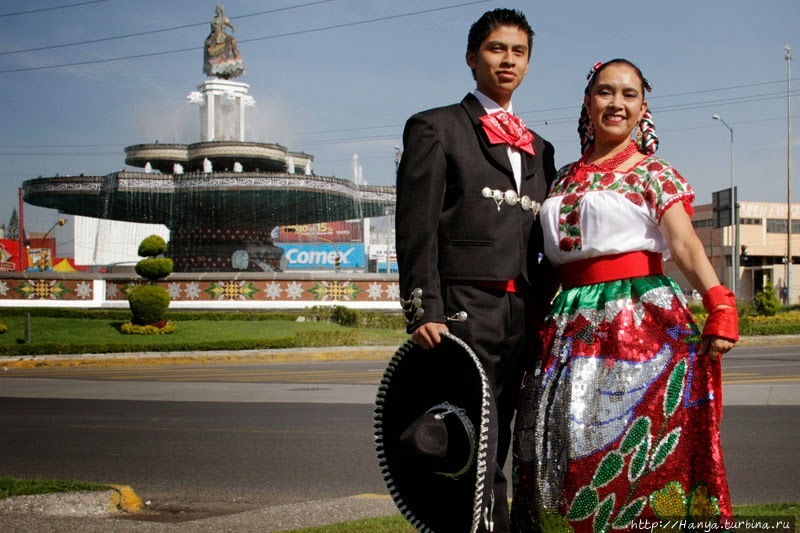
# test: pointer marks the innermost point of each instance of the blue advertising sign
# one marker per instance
(322, 256)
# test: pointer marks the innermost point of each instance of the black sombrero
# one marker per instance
(436, 436)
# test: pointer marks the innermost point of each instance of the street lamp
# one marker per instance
(734, 220)
(43, 260)
(788, 58)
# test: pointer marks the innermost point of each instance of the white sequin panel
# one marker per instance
(604, 398)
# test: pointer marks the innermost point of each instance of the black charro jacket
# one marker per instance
(447, 231)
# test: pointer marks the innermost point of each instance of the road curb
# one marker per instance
(120, 498)
(344, 353)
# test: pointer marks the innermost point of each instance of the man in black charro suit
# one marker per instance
(469, 186)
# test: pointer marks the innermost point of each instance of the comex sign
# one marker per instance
(306, 256)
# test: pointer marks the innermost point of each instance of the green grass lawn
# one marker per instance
(398, 524)
(83, 335)
(13, 486)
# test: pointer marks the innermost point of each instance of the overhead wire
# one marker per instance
(287, 34)
(52, 8)
(162, 30)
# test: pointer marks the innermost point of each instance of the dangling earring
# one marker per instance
(638, 133)
(590, 131)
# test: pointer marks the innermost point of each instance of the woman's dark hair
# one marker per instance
(491, 20)
(598, 68)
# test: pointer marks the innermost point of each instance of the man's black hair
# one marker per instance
(491, 20)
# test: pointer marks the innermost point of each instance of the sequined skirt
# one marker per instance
(620, 423)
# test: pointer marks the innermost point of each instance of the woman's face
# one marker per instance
(615, 103)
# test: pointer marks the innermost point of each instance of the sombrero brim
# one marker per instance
(414, 381)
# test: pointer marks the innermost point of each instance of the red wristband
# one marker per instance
(722, 322)
(718, 295)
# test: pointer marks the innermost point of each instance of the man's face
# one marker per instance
(501, 63)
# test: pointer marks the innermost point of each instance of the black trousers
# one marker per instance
(496, 330)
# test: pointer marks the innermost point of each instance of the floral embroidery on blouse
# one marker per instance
(652, 184)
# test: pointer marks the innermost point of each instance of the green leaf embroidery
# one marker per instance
(603, 515)
(635, 435)
(672, 396)
(575, 231)
(609, 468)
(584, 504)
(639, 460)
(629, 512)
(665, 447)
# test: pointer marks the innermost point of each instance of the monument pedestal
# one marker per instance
(222, 109)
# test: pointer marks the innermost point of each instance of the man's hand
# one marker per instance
(429, 335)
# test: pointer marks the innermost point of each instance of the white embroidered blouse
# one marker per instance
(595, 213)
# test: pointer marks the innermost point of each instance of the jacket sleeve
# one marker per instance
(421, 178)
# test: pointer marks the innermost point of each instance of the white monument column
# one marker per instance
(222, 105)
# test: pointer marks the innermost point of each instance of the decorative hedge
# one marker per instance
(131, 328)
(299, 340)
(364, 319)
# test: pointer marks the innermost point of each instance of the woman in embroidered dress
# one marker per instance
(620, 422)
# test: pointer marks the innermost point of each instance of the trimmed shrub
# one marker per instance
(766, 301)
(3, 327)
(152, 246)
(154, 268)
(148, 304)
(344, 316)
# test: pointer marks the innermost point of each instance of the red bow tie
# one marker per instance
(502, 127)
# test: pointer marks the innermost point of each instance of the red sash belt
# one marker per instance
(610, 268)
(512, 285)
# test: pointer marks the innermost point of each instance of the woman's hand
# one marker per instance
(715, 346)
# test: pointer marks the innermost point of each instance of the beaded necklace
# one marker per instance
(609, 164)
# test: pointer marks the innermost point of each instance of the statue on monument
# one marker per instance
(221, 56)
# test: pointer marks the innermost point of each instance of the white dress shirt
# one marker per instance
(513, 153)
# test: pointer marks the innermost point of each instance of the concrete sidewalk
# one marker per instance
(91, 515)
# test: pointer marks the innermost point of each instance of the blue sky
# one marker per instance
(348, 90)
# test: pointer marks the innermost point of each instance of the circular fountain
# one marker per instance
(220, 197)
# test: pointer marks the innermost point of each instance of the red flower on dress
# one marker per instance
(655, 166)
(669, 188)
(573, 218)
(607, 179)
(570, 199)
(635, 197)
(631, 179)
(566, 244)
(650, 197)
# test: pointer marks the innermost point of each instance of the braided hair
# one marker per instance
(649, 140)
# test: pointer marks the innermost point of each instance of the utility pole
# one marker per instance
(788, 58)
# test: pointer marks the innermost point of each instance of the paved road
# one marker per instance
(745, 365)
(198, 456)
(225, 438)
